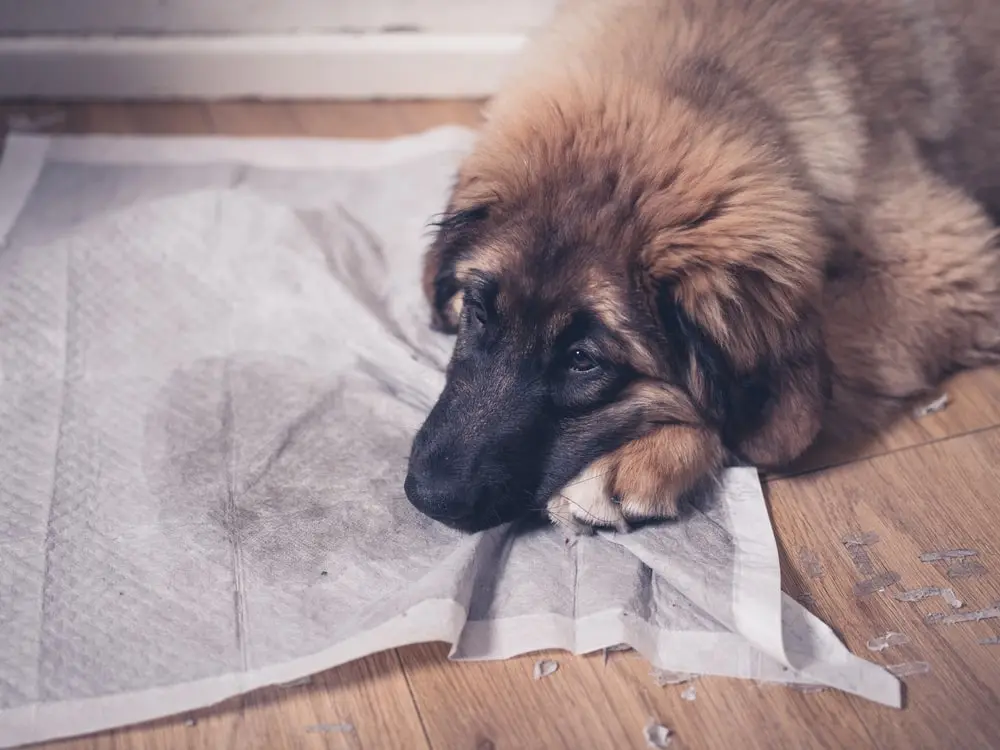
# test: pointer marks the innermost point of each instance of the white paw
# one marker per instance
(585, 503)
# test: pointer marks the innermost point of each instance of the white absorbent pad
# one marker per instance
(213, 356)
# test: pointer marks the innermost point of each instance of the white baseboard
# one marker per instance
(285, 66)
(145, 17)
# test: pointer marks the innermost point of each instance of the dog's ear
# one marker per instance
(747, 342)
(455, 233)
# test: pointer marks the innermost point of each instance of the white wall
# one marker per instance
(269, 16)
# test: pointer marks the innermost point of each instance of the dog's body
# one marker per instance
(693, 230)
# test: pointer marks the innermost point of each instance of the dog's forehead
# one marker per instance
(535, 311)
(555, 297)
(541, 303)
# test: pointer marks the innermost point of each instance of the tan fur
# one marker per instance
(823, 217)
(643, 480)
(649, 475)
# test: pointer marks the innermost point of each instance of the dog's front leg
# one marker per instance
(642, 480)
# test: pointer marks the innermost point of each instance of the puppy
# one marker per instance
(696, 232)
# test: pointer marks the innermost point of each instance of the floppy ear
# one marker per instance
(749, 347)
(455, 233)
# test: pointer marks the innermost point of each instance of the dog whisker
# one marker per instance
(589, 516)
(588, 479)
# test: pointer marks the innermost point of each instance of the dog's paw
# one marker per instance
(643, 480)
(587, 503)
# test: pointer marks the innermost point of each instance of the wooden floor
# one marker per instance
(926, 485)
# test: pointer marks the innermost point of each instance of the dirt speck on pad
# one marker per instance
(190, 722)
(909, 668)
(544, 668)
(690, 693)
(940, 618)
(890, 639)
(966, 569)
(664, 677)
(946, 554)
(875, 584)
(330, 728)
(657, 735)
(994, 641)
(938, 404)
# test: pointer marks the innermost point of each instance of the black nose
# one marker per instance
(439, 500)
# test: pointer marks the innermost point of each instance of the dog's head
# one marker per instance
(606, 275)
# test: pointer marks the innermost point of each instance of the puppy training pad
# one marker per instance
(213, 357)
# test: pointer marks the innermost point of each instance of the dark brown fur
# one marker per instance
(780, 207)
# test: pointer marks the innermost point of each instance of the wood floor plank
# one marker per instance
(348, 120)
(365, 704)
(592, 703)
(419, 116)
(501, 705)
(254, 119)
(111, 118)
(181, 118)
(936, 497)
(369, 120)
(728, 713)
(33, 117)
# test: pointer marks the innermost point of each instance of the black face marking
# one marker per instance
(455, 234)
(581, 361)
(526, 407)
(479, 309)
(586, 374)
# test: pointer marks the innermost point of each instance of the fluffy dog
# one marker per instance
(694, 232)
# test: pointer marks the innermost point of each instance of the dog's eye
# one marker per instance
(477, 314)
(580, 361)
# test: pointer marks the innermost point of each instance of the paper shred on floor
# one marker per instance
(544, 668)
(946, 554)
(664, 677)
(657, 735)
(909, 669)
(933, 407)
(890, 639)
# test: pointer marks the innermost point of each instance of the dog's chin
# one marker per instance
(478, 522)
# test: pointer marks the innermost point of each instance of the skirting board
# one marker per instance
(292, 66)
